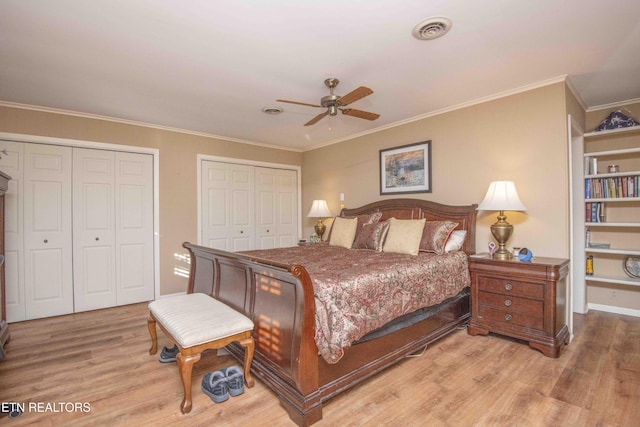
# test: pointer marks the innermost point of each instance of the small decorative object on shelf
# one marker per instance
(525, 255)
(492, 248)
(631, 266)
(613, 169)
(589, 269)
(616, 120)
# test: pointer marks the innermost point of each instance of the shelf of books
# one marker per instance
(612, 208)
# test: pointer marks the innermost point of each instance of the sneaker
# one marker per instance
(214, 385)
(168, 355)
(235, 379)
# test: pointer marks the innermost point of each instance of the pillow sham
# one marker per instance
(343, 232)
(362, 220)
(371, 236)
(404, 236)
(435, 235)
(455, 241)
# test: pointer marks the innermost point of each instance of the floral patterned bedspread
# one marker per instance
(358, 291)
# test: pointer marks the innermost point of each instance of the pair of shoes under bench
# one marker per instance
(168, 355)
(218, 385)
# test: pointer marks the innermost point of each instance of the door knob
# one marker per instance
(97, 238)
(46, 241)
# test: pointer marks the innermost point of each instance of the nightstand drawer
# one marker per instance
(512, 303)
(510, 287)
(510, 317)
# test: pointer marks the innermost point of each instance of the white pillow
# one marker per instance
(343, 232)
(456, 240)
(404, 236)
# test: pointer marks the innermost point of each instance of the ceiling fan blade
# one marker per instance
(299, 103)
(355, 95)
(316, 119)
(360, 114)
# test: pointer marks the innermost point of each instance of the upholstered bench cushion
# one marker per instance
(194, 319)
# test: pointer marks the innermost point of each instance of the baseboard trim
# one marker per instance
(614, 309)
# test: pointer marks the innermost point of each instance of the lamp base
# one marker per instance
(502, 231)
(320, 228)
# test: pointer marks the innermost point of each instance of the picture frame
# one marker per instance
(406, 169)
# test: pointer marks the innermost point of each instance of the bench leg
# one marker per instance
(249, 346)
(185, 364)
(151, 324)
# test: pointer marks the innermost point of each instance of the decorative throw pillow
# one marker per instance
(435, 235)
(362, 220)
(404, 236)
(343, 232)
(371, 236)
(455, 241)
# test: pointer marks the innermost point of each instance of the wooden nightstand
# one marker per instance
(524, 300)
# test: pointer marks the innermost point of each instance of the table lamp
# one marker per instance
(501, 196)
(319, 209)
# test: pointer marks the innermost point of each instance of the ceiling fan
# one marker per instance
(333, 103)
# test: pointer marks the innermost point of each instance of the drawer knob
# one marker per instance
(508, 302)
(508, 317)
(508, 286)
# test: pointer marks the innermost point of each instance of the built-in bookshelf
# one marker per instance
(612, 202)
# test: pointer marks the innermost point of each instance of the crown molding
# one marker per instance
(143, 124)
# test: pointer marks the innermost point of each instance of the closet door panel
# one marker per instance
(13, 165)
(287, 208)
(227, 206)
(47, 231)
(134, 228)
(93, 229)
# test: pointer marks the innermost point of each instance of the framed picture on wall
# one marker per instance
(406, 169)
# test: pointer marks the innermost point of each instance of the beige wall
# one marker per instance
(178, 186)
(520, 138)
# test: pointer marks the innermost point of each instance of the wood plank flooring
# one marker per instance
(101, 359)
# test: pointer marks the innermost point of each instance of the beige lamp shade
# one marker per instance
(501, 196)
(319, 209)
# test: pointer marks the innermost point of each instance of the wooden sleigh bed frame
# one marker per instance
(279, 298)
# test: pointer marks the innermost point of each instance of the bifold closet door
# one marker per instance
(93, 229)
(13, 164)
(276, 207)
(134, 228)
(113, 228)
(47, 230)
(227, 206)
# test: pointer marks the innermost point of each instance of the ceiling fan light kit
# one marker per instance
(333, 103)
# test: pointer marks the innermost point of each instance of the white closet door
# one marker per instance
(47, 231)
(134, 227)
(276, 205)
(13, 164)
(93, 229)
(227, 204)
(287, 207)
(266, 200)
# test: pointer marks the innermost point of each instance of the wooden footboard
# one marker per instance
(279, 299)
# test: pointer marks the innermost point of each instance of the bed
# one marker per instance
(283, 300)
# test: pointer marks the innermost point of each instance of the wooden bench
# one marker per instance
(198, 322)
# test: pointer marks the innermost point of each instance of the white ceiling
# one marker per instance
(210, 66)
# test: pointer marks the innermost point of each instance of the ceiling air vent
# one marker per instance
(432, 28)
(272, 110)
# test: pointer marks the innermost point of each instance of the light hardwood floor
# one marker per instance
(101, 358)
